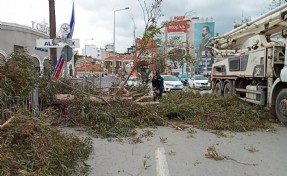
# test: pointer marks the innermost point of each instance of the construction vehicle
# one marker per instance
(250, 62)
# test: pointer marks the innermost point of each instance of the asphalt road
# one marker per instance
(250, 153)
(183, 153)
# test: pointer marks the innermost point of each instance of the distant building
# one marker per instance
(90, 70)
(82, 60)
(149, 50)
(94, 52)
(121, 61)
(185, 33)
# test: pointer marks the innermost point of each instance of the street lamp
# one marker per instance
(86, 54)
(114, 43)
(191, 11)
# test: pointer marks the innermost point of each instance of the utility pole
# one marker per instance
(52, 19)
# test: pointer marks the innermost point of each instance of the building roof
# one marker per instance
(41, 34)
(121, 58)
(89, 68)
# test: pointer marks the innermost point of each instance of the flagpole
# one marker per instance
(61, 61)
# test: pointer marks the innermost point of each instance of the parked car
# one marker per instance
(133, 81)
(199, 82)
(184, 78)
(171, 83)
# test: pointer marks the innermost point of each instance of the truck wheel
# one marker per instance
(227, 91)
(217, 89)
(281, 106)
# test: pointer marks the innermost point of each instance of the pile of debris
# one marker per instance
(119, 117)
(214, 112)
(30, 146)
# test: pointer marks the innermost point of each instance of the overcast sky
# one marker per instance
(95, 18)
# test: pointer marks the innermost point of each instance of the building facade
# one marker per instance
(94, 52)
(186, 33)
(15, 37)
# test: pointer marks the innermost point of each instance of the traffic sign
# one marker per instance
(69, 51)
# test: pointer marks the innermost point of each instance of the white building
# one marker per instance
(94, 52)
(15, 37)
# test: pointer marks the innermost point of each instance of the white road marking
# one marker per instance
(161, 163)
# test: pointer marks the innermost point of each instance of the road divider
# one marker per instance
(161, 163)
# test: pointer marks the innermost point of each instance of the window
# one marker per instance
(36, 64)
(234, 63)
(243, 62)
(238, 63)
(18, 48)
(219, 69)
(200, 78)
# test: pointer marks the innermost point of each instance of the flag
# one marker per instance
(59, 67)
(72, 23)
(61, 61)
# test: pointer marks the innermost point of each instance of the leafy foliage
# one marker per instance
(159, 60)
(214, 112)
(121, 117)
(18, 76)
(117, 119)
(32, 147)
(176, 54)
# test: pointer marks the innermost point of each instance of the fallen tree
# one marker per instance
(120, 117)
(30, 146)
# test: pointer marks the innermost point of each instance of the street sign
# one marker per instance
(48, 43)
(57, 40)
(69, 51)
(70, 42)
(65, 29)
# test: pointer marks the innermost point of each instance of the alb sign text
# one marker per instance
(48, 43)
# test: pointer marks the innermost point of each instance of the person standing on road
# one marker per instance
(158, 87)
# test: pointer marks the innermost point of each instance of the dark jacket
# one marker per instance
(157, 82)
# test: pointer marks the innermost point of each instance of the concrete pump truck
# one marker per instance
(251, 62)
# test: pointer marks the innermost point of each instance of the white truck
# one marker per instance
(251, 62)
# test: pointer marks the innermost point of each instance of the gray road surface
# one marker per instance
(186, 154)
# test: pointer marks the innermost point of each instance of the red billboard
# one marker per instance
(176, 26)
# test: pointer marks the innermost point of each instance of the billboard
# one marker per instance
(176, 38)
(202, 32)
(176, 26)
(176, 33)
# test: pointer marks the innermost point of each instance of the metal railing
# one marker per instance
(33, 103)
